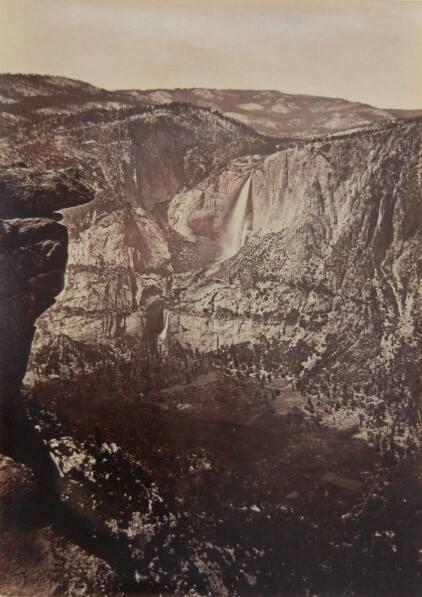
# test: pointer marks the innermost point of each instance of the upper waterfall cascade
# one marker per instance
(162, 336)
(237, 227)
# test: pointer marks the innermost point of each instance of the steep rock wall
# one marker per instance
(334, 262)
(333, 256)
(33, 254)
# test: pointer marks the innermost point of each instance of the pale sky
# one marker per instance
(369, 51)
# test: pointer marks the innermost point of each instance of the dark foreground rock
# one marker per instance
(27, 193)
(35, 559)
(33, 256)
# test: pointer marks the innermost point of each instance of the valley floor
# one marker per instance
(231, 485)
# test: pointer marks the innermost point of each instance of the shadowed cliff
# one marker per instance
(33, 256)
(35, 556)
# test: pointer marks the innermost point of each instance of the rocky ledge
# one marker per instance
(33, 256)
(34, 557)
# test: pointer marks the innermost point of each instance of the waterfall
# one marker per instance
(162, 336)
(237, 228)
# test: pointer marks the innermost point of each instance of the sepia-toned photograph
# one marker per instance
(210, 298)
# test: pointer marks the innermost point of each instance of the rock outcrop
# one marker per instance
(34, 558)
(33, 255)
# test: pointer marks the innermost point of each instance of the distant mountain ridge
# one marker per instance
(269, 112)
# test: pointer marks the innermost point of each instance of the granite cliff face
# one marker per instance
(333, 229)
(336, 236)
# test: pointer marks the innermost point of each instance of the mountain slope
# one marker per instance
(273, 112)
(23, 97)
